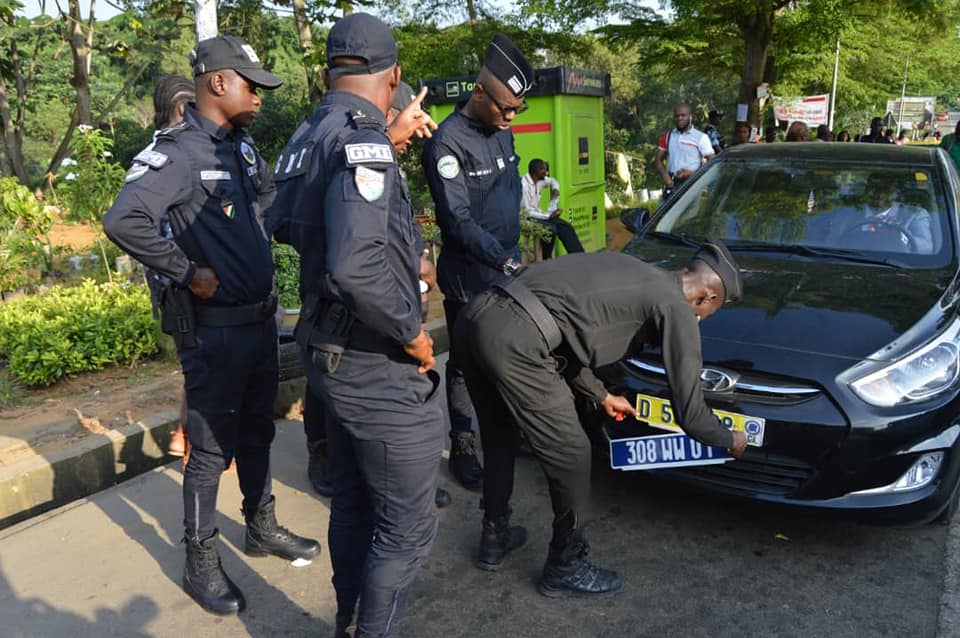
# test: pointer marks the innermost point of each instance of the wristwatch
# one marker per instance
(509, 267)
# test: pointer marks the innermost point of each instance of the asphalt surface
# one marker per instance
(694, 564)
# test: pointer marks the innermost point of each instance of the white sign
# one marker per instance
(811, 110)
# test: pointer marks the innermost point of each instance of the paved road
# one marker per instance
(695, 566)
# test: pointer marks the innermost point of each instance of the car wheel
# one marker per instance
(947, 514)
(288, 356)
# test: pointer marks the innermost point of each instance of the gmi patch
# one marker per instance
(368, 154)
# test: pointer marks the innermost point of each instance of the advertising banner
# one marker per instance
(812, 110)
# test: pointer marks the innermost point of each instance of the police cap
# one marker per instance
(402, 96)
(714, 254)
(508, 64)
(230, 52)
(360, 35)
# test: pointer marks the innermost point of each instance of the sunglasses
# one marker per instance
(516, 110)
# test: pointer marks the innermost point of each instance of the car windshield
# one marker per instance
(894, 212)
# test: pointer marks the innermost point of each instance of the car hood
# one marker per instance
(832, 308)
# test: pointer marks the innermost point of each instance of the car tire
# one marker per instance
(947, 514)
(288, 358)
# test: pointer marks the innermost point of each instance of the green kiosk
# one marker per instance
(564, 126)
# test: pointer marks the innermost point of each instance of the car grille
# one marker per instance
(746, 386)
(755, 473)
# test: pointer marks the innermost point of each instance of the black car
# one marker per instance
(842, 360)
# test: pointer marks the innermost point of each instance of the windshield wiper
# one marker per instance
(681, 238)
(796, 249)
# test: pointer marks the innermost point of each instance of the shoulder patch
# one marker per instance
(368, 154)
(293, 161)
(370, 183)
(448, 167)
(150, 157)
(136, 172)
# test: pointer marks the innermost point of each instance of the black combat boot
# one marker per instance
(265, 536)
(344, 625)
(205, 581)
(463, 460)
(497, 539)
(317, 468)
(567, 571)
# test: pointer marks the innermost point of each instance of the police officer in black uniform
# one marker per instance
(365, 352)
(472, 170)
(205, 183)
(530, 336)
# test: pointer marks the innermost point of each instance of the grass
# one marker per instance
(11, 392)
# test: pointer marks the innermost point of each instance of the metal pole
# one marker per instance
(903, 94)
(206, 12)
(833, 91)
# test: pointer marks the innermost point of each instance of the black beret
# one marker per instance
(361, 35)
(230, 52)
(714, 254)
(402, 96)
(508, 64)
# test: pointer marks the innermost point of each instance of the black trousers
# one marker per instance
(459, 406)
(230, 380)
(512, 377)
(384, 440)
(563, 231)
(314, 417)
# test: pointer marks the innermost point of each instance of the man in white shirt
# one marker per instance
(685, 149)
(536, 179)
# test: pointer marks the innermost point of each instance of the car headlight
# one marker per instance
(920, 375)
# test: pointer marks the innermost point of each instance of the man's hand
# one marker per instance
(421, 349)
(204, 283)
(412, 120)
(556, 213)
(617, 406)
(739, 444)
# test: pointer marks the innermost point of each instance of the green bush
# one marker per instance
(64, 331)
(24, 247)
(286, 268)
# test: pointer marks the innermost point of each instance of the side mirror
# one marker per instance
(634, 218)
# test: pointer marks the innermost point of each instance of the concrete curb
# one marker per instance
(38, 484)
(948, 621)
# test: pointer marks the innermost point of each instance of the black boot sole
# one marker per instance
(566, 592)
(489, 567)
(232, 610)
(259, 552)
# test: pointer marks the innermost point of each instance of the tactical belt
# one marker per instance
(223, 316)
(516, 290)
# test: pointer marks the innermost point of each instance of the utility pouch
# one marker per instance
(324, 330)
(177, 316)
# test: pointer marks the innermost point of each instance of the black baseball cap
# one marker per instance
(361, 35)
(230, 52)
(508, 64)
(714, 254)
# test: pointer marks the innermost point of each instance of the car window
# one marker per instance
(896, 210)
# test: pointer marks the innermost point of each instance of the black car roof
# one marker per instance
(912, 155)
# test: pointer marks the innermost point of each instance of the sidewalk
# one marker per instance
(38, 478)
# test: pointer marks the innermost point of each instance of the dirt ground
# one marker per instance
(91, 403)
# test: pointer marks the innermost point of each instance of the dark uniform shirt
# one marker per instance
(210, 185)
(344, 206)
(603, 303)
(472, 172)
